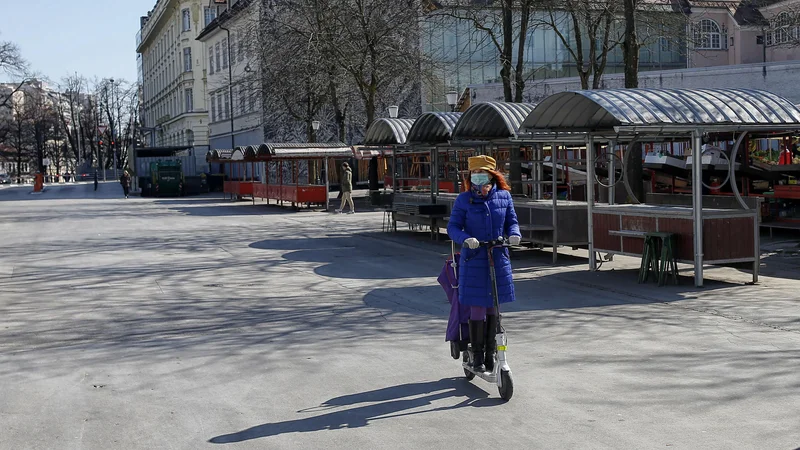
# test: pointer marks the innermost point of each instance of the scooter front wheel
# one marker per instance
(507, 385)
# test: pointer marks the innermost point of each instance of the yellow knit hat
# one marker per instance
(482, 162)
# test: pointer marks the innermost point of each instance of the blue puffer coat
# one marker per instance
(484, 218)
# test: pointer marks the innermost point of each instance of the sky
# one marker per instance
(90, 37)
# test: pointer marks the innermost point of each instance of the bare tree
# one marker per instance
(18, 136)
(585, 29)
(505, 25)
(14, 66)
(345, 59)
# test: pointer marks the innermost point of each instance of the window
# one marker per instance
(187, 59)
(233, 51)
(666, 45)
(209, 14)
(708, 35)
(213, 109)
(186, 14)
(252, 101)
(188, 95)
(783, 32)
(227, 105)
(239, 46)
(210, 60)
(225, 53)
(216, 53)
(243, 99)
(219, 107)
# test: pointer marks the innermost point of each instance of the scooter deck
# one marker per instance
(491, 377)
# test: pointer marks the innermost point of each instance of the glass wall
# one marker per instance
(462, 55)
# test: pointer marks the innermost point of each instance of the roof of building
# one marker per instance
(224, 17)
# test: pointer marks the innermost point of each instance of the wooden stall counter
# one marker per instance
(729, 235)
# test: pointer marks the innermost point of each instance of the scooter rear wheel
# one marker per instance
(469, 375)
(507, 388)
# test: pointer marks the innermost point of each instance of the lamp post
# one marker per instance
(452, 99)
(230, 82)
(114, 143)
(315, 127)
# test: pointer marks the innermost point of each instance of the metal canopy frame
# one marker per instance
(633, 114)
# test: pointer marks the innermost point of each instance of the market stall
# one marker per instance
(297, 173)
(631, 115)
(424, 168)
(240, 173)
(494, 128)
(383, 137)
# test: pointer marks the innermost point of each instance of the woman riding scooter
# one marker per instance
(481, 214)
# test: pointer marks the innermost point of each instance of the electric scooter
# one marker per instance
(501, 375)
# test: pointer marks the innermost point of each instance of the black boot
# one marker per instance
(491, 342)
(476, 336)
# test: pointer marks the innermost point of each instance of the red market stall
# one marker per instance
(297, 173)
(240, 173)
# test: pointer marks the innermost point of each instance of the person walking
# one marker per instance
(95, 180)
(125, 181)
(481, 214)
(347, 189)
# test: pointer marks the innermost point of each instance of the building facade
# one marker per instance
(173, 111)
(461, 55)
(232, 90)
(744, 32)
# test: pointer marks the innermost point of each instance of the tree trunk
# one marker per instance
(630, 46)
(508, 46)
(519, 85)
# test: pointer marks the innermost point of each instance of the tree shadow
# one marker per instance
(386, 403)
(353, 257)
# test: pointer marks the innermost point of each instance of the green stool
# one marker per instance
(659, 257)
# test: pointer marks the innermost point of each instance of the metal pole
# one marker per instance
(327, 186)
(554, 159)
(433, 175)
(612, 176)
(697, 207)
(230, 83)
(590, 198)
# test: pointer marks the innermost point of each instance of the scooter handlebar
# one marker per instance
(499, 242)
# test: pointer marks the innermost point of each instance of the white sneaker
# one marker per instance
(338, 211)
(351, 212)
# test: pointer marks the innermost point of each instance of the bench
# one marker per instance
(628, 233)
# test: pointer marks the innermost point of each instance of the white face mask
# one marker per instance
(480, 179)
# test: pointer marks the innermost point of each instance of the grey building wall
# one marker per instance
(782, 78)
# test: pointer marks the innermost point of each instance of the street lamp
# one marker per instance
(393, 111)
(452, 99)
(315, 127)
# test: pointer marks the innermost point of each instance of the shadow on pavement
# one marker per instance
(392, 402)
(354, 257)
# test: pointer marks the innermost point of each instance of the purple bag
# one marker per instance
(458, 323)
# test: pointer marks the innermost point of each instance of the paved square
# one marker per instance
(199, 323)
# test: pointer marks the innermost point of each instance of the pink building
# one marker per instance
(731, 32)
